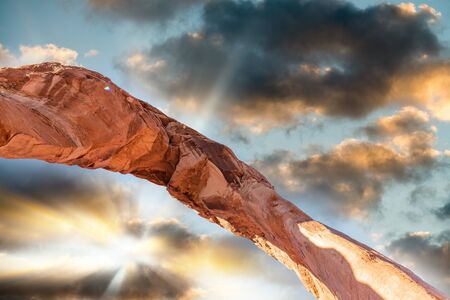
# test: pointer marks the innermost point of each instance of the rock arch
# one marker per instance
(63, 114)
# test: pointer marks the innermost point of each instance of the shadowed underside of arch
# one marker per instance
(73, 116)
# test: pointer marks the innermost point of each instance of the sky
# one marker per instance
(343, 105)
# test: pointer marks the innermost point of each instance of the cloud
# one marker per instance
(190, 253)
(175, 235)
(37, 54)
(272, 60)
(40, 289)
(91, 53)
(421, 194)
(52, 184)
(151, 283)
(187, 251)
(239, 137)
(51, 203)
(426, 254)
(443, 212)
(426, 85)
(352, 176)
(407, 8)
(48, 52)
(140, 282)
(152, 11)
(407, 121)
(410, 9)
(6, 58)
(47, 184)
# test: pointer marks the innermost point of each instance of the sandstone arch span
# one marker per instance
(63, 114)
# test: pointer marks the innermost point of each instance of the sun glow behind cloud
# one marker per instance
(67, 242)
(90, 242)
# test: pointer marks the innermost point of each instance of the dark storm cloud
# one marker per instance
(325, 55)
(429, 254)
(142, 10)
(443, 212)
(352, 176)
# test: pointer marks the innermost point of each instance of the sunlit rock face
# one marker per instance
(74, 116)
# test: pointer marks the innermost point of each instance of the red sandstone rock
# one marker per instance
(64, 115)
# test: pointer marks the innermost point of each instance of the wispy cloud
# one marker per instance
(91, 53)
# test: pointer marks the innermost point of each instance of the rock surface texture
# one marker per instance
(73, 116)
